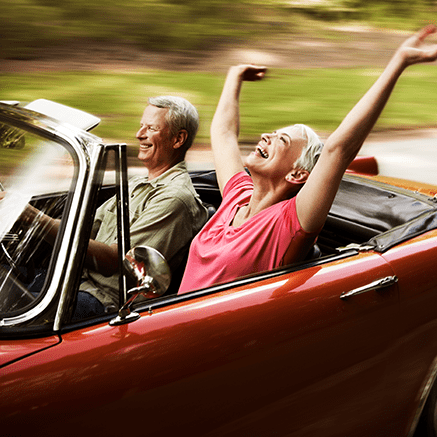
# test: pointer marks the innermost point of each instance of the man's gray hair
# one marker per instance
(311, 152)
(181, 115)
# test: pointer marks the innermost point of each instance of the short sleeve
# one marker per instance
(240, 181)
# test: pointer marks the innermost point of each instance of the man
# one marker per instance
(164, 210)
(273, 217)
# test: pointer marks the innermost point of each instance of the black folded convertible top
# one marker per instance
(380, 215)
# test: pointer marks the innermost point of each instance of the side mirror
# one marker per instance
(148, 270)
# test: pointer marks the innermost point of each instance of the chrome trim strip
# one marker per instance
(241, 282)
(123, 228)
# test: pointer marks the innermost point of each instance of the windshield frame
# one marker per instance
(79, 144)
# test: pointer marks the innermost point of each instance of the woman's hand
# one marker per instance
(249, 72)
(415, 50)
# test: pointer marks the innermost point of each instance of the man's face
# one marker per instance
(156, 142)
(276, 153)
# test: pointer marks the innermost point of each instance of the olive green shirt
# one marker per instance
(164, 213)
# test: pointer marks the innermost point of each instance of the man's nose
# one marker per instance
(141, 133)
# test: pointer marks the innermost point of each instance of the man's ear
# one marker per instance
(297, 176)
(180, 138)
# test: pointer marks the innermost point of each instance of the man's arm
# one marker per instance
(225, 124)
(164, 225)
(314, 200)
(100, 257)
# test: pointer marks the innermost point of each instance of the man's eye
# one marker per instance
(284, 140)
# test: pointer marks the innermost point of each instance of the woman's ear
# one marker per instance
(297, 176)
(180, 138)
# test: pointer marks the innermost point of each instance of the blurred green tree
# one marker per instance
(174, 25)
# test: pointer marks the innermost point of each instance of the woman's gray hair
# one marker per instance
(311, 152)
(181, 115)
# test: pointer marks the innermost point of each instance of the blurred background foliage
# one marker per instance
(168, 25)
(320, 97)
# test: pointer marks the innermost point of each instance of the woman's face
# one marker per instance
(276, 154)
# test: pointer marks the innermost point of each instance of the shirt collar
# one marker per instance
(166, 177)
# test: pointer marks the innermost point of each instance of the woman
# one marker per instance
(273, 217)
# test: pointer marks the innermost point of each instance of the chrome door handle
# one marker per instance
(375, 285)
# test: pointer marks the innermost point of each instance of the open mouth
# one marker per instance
(262, 152)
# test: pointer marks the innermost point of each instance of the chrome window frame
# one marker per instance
(86, 150)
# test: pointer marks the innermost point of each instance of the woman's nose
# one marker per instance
(266, 137)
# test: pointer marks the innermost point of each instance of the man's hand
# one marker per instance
(415, 50)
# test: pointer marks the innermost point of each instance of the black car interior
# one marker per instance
(364, 212)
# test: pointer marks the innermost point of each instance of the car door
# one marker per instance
(415, 364)
(283, 355)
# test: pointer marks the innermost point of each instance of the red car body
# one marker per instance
(284, 352)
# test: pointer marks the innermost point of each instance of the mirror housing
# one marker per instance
(148, 273)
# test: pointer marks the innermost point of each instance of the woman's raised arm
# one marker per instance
(225, 124)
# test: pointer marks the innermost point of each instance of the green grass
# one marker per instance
(317, 97)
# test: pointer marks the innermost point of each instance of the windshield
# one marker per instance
(38, 172)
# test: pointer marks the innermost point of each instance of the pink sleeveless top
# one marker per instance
(222, 252)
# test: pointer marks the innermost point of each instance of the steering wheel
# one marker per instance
(19, 246)
(28, 271)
